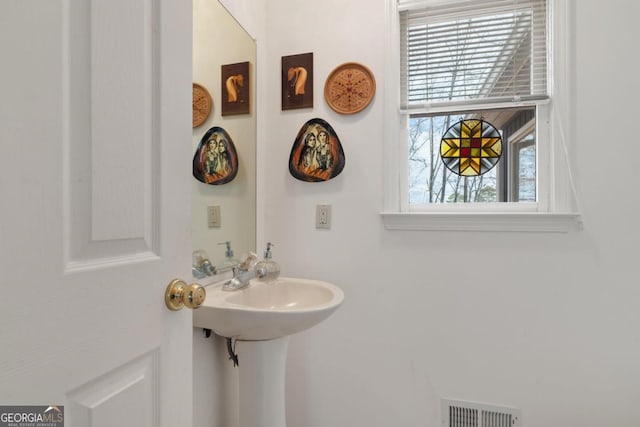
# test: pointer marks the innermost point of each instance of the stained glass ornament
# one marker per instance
(317, 153)
(471, 147)
(215, 161)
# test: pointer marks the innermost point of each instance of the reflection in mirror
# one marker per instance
(223, 213)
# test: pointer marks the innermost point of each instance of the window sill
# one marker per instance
(483, 221)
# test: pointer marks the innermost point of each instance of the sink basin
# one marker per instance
(266, 311)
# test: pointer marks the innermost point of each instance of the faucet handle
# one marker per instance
(198, 257)
(249, 261)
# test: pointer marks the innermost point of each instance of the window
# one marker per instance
(431, 181)
(488, 62)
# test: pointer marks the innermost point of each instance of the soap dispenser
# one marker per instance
(229, 261)
(268, 269)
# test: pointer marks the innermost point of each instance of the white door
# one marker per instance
(95, 137)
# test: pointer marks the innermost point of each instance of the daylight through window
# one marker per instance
(483, 61)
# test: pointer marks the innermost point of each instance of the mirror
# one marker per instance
(218, 39)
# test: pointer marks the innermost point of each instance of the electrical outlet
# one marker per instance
(323, 216)
(213, 216)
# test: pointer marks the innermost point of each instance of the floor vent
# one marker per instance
(456, 413)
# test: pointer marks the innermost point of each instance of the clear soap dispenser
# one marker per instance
(268, 270)
(229, 261)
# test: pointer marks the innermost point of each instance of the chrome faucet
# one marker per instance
(243, 272)
(201, 267)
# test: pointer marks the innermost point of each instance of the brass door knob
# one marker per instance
(179, 294)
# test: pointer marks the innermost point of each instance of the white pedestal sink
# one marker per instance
(262, 316)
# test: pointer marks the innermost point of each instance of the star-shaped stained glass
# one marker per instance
(471, 147)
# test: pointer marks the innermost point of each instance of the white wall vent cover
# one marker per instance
(456, 413)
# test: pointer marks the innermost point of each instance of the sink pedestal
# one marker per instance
(261, 373)
(262, 316)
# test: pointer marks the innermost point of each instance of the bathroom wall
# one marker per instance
(248, 13)
(551, 328)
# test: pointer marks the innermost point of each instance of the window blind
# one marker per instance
(472, 51)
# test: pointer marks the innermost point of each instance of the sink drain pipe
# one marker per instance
(231, 346)
(232, 354)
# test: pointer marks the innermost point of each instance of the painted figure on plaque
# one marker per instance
(216, 159)
(317, 153)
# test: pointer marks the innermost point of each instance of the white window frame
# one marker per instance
(557, 208)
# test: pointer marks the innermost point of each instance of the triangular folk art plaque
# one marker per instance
(216, 159)
(471, 147)
(317, 154)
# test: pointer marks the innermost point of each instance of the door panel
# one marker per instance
(95, 131)
(125, 397)
(112, 157)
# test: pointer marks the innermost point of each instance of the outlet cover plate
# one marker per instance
(323, 216)
(213, 216)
